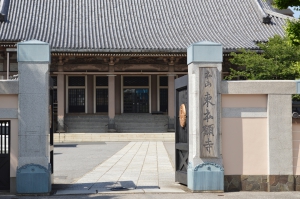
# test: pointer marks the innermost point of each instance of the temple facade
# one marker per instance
(111, 58)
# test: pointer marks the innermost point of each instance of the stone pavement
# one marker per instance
(139, 167)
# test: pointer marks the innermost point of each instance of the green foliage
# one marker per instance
(280, 61)
(292, 30)
(283, 4)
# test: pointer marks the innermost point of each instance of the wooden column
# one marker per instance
(111, 98)
(60, 103)
(171, 102)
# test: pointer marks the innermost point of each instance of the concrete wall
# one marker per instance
(244, 134)
(257, 137)
(296, 146)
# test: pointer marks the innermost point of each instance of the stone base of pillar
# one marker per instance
(33, 179)
(206, 177)
(111, 125)
(268, 183)
(171, 124)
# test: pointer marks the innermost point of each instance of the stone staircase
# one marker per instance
(125, 123)
(82, 123)
(141, 123)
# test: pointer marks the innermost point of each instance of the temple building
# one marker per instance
(113, 58)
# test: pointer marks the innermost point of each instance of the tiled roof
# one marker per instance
(139, 25)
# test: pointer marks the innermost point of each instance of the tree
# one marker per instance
(283, 4)
(292, 28)
(279, 61)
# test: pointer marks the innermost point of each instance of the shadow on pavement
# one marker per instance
(65, 145)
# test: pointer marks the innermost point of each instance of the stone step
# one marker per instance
(124, 123)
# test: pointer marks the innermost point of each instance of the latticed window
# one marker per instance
(76, 81)
(76, 95)
(102, 81)
(54, 80)
(163, 99)
(135, 81)
(76, 100)
(163, 81)
(102, 100)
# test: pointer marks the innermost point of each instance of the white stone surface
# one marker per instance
(9, 87)
(8, 113)
(195, 111)
(139, 166)
(259, 87)
(280, 135)
(244, 112)
(33, 114)
(33, 78)
(93, 137)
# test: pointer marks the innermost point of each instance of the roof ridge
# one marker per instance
(282, 16)
(271, 11)
(259, 8)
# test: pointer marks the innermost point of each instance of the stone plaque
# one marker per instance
(208, 112)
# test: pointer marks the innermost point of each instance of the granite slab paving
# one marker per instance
(74, 160)
(139, 167)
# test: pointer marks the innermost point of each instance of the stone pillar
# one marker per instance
(34, 169)
(280, 142)
(111, 103)
(171, 103)
(205, 170)
(60, 103)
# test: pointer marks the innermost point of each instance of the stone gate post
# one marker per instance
(34, 169)
(205, 170)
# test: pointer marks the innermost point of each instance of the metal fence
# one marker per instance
(4, 137)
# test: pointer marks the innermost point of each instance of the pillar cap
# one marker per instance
(33, 51)
(204, 52)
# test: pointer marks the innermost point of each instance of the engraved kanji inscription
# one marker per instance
(208, 115)
(208, 145)
(207, 83)
(207, 75)
(208, 130)
(207, 100)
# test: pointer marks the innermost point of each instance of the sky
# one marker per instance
(296, 13)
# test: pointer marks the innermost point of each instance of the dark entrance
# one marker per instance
(101, 94)
(4, 155)
(76, 95)
(136, 100)
(181, 133)
(76, 100)
(101, 100)
(163, 101)
(52, 98)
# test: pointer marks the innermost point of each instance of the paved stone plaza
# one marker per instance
(139, 167)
